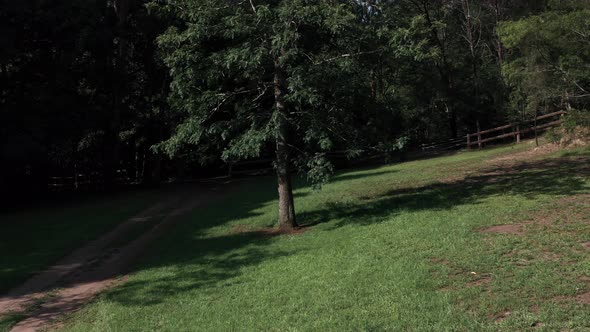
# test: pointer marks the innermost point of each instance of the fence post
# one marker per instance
(517, 134)
(536, 133)
(514, 132)
(468, 141)
(75, 176)
(478, 135)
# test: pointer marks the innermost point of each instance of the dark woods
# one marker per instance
(97, 94)
(83, 94)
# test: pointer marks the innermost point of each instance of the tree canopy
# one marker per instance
(142, 90)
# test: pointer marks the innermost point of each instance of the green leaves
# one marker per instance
(249, 144)
(222, 57)
(318, 169)
(549, 62)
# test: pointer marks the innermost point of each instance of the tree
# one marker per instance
(251, 74)
(121, 10)
(84, 88)
(550, 52)
(48, 60)
(77, 84)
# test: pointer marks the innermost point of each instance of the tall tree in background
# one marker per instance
(121, 10)
(84, 90)
(51, 89)
(549, 56)
(80, 84)
(439, 17)
(251, 74)
(472, 34)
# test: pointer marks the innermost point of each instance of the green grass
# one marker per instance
(33, 240)
(7, 321)
(393, 248)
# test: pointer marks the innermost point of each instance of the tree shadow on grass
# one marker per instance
(362, 174)
(213, 262)
(187, 244)
(191, 258)
(529, 179)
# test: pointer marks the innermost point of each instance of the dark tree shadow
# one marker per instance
(362, 174)
(216, 260)
(194, 258)
(527, 179)
(185, 230)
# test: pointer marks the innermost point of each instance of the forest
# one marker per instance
(143, 91)
(294, 165)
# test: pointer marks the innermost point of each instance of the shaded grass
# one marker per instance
(7, 321)
(33, 240)
(393, 248)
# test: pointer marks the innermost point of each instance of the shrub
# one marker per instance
(554, 135)
(575, 119)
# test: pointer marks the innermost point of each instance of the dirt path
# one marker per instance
(77, 278)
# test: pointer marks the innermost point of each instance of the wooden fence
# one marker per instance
(91, 181)
(263, 166)
(443, 146)
(516, 130)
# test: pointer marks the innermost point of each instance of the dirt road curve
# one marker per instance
(77, 278)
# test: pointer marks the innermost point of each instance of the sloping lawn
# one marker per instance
(31, 241)
(404, 248)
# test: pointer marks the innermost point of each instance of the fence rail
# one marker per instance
(516, 131)
(84, 181)
(263, 166)
(443, 146)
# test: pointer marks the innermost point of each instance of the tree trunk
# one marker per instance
(498, 11)
(113, 153)
(152, 169)
(453, 123)
(282, 164)
(446, 72)
(567, 102)
(472, 37)
(478, 135)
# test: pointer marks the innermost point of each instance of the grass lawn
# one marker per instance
(33, 240)
(393, 248)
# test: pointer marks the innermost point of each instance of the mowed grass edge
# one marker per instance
(393, 248)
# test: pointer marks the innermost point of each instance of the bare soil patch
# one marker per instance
(441, 261)
(269, 232)
(79, 277)
(583, 298)
(514, 229)
(565, 210)
(479, 282)
(551, 256)
(526, 155)
(499, 317)
(272, 232)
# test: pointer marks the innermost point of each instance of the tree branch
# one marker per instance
(253, 7)
(347, 55)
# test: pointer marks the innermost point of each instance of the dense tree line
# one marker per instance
(104, 87)
(82, 90)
